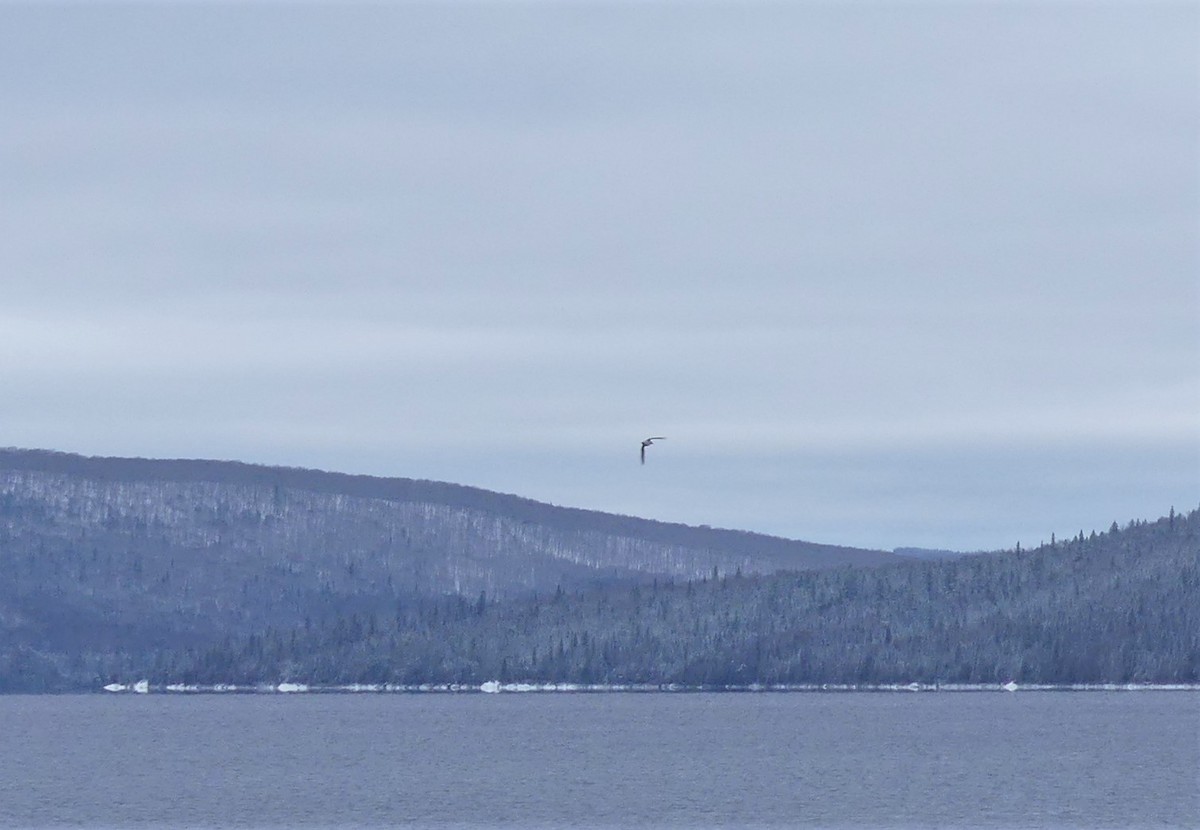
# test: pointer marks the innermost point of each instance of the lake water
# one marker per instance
(1036, 759)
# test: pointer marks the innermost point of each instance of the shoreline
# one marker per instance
(495, 687)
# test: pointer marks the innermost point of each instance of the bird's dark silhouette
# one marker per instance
(650, 441)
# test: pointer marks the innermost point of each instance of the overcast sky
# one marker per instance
(884, 274)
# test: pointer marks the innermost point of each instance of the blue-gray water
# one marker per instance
(1038, 760)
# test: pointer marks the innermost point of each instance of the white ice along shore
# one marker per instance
(496, 687)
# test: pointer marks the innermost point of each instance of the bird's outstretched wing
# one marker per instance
(650, 441)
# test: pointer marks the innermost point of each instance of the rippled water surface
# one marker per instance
(1037, 759)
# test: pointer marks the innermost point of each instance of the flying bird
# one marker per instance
(650, 441)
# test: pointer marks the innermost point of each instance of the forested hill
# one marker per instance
(1121, 606)
(208, 518)
(214, 572)
(108, 556)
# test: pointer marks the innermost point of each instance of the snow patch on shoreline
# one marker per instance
(496, 687)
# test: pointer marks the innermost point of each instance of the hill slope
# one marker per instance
(1122, 606)
(214, 572)
(110, 555)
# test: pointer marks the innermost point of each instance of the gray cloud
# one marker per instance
(885, 274)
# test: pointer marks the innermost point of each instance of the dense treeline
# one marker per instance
(205, 572)
(1121, 606)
